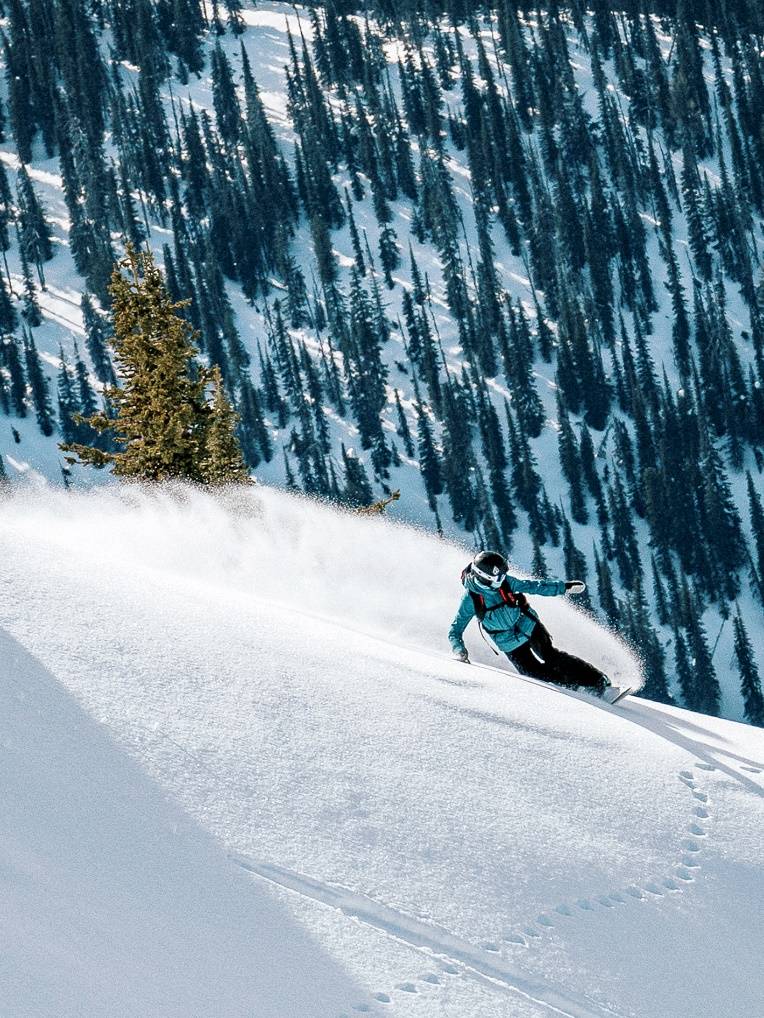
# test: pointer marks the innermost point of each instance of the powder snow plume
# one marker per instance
(374, 576)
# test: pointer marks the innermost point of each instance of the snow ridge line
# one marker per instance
(435, 941)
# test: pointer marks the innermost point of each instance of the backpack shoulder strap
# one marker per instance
(513, 599)
(478, 601)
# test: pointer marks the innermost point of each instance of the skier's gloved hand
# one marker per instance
(462, 655)
(574, 586)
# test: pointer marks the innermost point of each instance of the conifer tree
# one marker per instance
(221, 461)
(720, 517)
(85, 393)
(429, 461)
(575, 561)
(538, 562)
(571, 465)
(67, 403)
(608, 603)
(458, 466)
(654, 658)
(403, 428)
(38, 384)
(289, 478)
(685, 671)
(235, 18)
(7, 310)
(161, 419)
(96, 341)
(255, 440)
(5, 403)
(750, 683)
(706, 692)
(33, 228)
(659, 595)
(624, 536)
(10, 359)
(226, 103)
(757, 525)
(31, 312)
(357, 491)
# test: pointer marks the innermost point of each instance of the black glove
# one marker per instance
(574, 586)
(462, 655)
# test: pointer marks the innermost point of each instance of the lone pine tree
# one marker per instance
(162, 422)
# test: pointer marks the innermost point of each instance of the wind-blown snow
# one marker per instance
(238, 758)
(375, 577)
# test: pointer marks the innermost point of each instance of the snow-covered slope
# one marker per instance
(240, 776)
(265, 38)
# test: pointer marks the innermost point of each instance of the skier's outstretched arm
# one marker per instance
(546, 588)
(461, 620)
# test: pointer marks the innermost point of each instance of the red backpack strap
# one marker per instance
(514, 600)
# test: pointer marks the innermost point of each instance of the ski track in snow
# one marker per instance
(454, 954)
(490, 959)
(495, 961)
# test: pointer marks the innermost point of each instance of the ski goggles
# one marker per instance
(488, 581)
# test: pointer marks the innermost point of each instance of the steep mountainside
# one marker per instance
(507, 263)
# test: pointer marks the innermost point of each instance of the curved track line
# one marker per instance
(680, 876)
(433, 940)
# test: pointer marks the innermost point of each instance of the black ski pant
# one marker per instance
(539, 658)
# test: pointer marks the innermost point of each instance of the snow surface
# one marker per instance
(240, 775)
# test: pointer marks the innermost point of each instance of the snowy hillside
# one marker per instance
(510, 266)
(240, 777)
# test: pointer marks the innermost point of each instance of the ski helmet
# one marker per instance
(489, 568)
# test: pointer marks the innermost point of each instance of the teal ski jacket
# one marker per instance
(508, 627)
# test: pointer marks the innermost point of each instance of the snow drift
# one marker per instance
(244, 777)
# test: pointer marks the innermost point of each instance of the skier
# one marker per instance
(498, 601)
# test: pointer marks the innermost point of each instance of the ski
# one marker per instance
(621, 695)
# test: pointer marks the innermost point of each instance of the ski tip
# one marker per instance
(621, 695)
